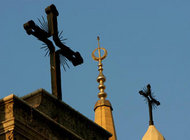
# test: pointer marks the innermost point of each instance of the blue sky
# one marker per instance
(147, 42)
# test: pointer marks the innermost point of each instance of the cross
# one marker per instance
(147, 93)
(74, 57)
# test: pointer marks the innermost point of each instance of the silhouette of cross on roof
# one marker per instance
(43, 35)
(147, 93)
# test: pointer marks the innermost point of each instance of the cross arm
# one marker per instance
(32, 29)
(72, 56)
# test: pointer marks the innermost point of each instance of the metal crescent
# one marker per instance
(101, 58)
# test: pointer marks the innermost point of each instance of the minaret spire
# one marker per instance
(101, 78)
(103, 108)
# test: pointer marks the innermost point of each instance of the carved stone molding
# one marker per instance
(50, 120)
(9, 135)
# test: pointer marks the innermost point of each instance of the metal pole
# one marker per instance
(151, 122)
(58, 76)
(53, 72)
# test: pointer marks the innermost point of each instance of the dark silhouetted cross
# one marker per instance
(151, 101)
(43, 35)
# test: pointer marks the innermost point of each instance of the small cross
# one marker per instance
(151, 101)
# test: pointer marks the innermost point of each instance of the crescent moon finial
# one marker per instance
(101, 78)
(99, 58)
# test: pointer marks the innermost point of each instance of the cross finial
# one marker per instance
(43, 35)
(147, 93)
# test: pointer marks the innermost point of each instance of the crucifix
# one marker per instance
(147, 93)
(44, 35)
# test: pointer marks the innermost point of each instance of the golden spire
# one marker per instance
(103, 108)
(101, 78)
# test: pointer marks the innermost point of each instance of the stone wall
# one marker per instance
(40, 116)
